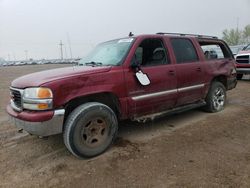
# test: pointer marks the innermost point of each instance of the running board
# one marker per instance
(177, 110)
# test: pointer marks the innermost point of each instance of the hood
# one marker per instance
(244, 52)
(39, 78)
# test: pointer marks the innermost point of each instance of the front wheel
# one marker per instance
(90, 129)
(216, 97)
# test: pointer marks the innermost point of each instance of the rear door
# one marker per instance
(189, 71)
(161, 93)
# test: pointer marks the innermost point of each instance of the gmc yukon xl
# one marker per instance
(136, 77)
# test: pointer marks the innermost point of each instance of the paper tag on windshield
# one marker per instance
(125, 40)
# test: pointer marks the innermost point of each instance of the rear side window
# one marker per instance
(184, 50)
(214, 50)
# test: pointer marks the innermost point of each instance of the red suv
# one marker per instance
(136, 77)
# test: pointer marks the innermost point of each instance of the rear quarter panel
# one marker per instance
(216, 67)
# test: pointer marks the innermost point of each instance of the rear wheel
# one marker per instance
(216, 97)
(239, 76)
(90, 129)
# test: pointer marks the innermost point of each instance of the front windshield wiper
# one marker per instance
(93, 63)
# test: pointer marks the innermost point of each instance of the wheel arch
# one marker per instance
(107, 98)
(220, 78)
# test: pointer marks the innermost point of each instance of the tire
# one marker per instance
(239, 76)
(90, 129)
(216, 97)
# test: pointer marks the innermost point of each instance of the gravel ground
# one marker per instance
(191, 149)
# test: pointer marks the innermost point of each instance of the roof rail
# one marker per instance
(183, 34)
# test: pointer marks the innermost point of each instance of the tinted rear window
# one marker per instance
(184, 50)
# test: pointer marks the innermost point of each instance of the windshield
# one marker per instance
(107, 53)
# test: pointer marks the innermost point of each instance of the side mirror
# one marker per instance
(142, 78)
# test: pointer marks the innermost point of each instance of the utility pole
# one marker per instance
(69, 43)
(14, 56)
(237, 26)
(65, 52)
(26, 54)
(61, 48)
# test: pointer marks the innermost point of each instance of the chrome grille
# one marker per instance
(243, 59)
(16, 97)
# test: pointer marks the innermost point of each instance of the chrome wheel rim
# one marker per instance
(218, 98)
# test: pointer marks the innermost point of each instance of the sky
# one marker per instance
(34, 28)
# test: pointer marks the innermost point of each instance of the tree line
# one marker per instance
(237, 36)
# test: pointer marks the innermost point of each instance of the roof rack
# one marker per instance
(183, 34)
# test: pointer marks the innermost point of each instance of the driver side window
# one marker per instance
(151, 52)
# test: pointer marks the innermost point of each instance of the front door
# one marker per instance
(161, 92)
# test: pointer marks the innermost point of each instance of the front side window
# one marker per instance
(184, 50)
(151, 52)
(108, 53)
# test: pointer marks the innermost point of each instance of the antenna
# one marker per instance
(130, 34)
(61, 49)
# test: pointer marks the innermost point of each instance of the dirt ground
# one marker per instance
(191, 149)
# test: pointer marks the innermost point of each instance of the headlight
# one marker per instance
(38, 93)
(37, 98)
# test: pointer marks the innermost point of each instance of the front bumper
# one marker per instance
(41, 128)
(243, 70)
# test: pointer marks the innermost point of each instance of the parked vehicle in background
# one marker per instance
(243, 62)
(246, 48)
(211, 54)
(137, 77)
(236, 49)
(2, 62)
